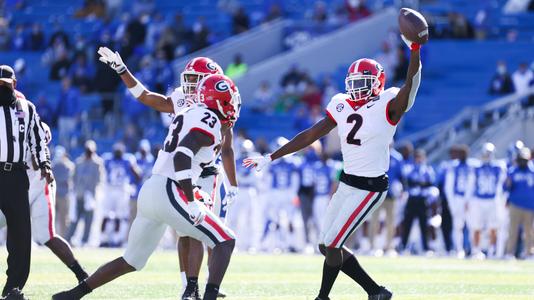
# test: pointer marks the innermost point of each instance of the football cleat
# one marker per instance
(191, 293)
(318, 298)
(66, 295)
(384, 294)
(15, 294)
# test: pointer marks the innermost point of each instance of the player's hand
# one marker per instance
(413, 46)
(258, 162)
(202, 196)
(46, 174)
(231, 195)
(112, 59)
(196, 211)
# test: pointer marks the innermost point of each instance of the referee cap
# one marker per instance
(7, 74)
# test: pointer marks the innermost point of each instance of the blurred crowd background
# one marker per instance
(481, 51)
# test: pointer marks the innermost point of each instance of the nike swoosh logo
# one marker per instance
(370, 105)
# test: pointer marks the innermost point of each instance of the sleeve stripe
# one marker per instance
(209, 134)
(387, 115)
(330, 116)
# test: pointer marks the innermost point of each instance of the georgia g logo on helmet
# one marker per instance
(222, 86)
(210, 65)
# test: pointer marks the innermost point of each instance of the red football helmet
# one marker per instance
(195, 70)
(365, 78)
(218, 92)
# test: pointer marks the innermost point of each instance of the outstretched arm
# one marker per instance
(156, 101)
(406, 96)
(299, 142)
(305, 138)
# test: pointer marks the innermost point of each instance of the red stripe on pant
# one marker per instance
(217, 228)
(50, 216)
(182, 194)
(351, 219)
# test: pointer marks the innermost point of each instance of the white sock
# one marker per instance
(184, 279)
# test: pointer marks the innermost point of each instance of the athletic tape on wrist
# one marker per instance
(185, 151)
(137, 90)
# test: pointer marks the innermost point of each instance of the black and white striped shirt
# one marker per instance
(20, 127)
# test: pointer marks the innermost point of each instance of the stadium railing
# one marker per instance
(468, 126)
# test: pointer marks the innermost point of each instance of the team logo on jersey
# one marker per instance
(340, 107)
(222, 86)
(180, 102)
(211, 66)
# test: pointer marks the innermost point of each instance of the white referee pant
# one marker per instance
(347, 210)
(42, 210)
(162, 203)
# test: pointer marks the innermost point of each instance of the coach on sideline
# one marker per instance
(20, 126)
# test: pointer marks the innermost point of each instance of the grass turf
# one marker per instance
(294, 277)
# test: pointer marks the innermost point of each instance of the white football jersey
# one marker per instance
(365, 133)
(178, 100)
(196, 117)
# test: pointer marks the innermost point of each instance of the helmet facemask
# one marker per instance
(361, 87)
(189, 81)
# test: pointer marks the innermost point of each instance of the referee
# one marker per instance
(20, 127)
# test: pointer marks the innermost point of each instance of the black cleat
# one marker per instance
(384, 294)
(15, 294)
(191, 293)
(318, 298)
(66, 295)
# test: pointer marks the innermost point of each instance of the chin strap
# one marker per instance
(416, 81)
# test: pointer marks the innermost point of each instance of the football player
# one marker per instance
(366, 117)
(489, 179)
(458, 184)
(121, 168)
(168, 197)
(42, 197)
(190, 251)
(282, 179)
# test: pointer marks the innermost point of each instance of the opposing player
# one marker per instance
(167, 198)
(458, 184)
(366, 117)
(122, 173)
(190, 251)
(42, 196)
(489, 177)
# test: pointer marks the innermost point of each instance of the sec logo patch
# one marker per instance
(340, 107)
(180, 102)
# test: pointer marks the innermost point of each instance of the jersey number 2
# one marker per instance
(351, 137)
(178, 123)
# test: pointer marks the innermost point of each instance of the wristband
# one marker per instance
(183, 174)
(137, 90)
(185, 151)
(415, 46)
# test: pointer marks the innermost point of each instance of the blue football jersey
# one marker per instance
(324, 173)
(488, 177)
(118, 171)
(282, 172)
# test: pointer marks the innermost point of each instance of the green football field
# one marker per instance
(294, 277)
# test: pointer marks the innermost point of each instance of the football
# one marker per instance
(413, 25)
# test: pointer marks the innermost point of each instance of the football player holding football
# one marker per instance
(190, 251)
(366, 117)
(168, 197)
